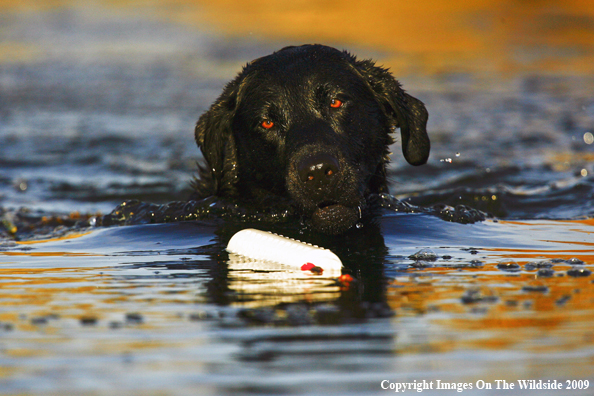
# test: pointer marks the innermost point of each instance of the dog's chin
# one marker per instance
(334, 219)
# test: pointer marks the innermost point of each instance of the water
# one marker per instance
(99, 108)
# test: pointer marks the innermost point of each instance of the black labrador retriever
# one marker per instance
(308, 127)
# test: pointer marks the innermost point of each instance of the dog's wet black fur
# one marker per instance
(308, 128)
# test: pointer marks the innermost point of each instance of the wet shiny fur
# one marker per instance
(308, 127)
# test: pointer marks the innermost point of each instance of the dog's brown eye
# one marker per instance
(335, 103)
(267, 124)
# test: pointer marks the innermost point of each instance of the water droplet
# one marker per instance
(359, 225)
(535, 288)
(545, 273)
(21, 185)
(588, 138)
(563, 299)
(584, 172)
(457, 154)
(575, 261)
(475, 295)
(424, 255)
(476, 263)
(579, 272)
(508, 265)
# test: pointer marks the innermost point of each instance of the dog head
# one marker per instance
(310, 124)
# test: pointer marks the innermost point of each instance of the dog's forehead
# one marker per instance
(303, 55)
(300, 68)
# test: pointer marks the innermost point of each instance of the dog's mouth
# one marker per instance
(326, 204)
(326, 188)
(333, 218)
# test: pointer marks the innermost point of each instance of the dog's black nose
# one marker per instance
(318, 170)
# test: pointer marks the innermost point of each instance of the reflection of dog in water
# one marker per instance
(308, 127)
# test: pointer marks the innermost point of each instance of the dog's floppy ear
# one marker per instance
(214, 137)
(407, 113)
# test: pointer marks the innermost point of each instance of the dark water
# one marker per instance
(97, 115)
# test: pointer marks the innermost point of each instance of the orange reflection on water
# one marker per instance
(48, 254)
(62, 238)
(586, 222)
(429, 36)
(432, 36)
(490, 308)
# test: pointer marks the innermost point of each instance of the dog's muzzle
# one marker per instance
(321, 184)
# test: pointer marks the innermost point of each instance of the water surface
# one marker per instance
(97, 106)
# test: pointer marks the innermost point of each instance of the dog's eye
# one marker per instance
(335, 103)
(267, 124)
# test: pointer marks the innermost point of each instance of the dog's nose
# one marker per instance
(318, 170)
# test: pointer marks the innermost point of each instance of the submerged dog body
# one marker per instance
(308, 127)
